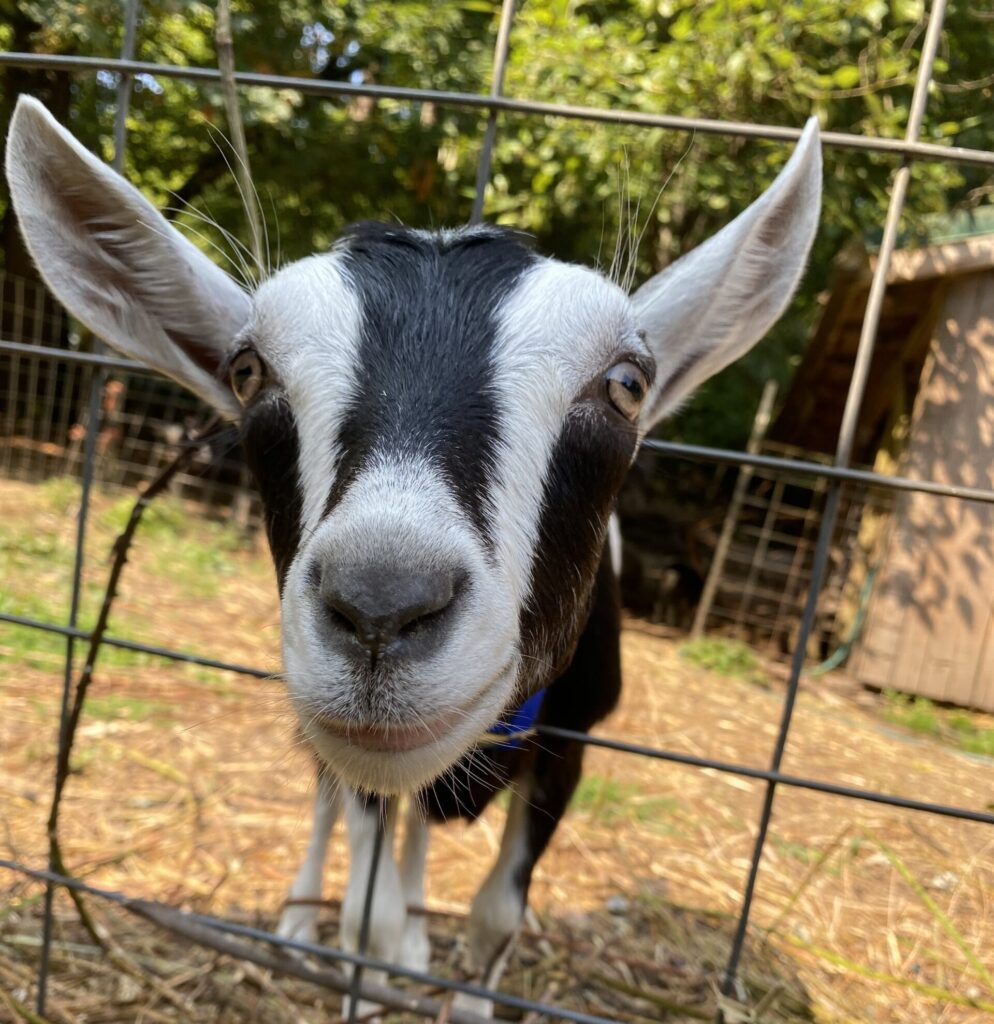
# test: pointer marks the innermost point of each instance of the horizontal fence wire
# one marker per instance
(676, 449)
(139, 648)
(908, 149)
(476, 101)
(314, 949)
(68, 355)
(606, 743)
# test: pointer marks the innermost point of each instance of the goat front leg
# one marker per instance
(299, 921)
(538, 802)
(415, 951)
(388, 912)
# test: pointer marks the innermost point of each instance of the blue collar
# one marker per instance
(518, 721)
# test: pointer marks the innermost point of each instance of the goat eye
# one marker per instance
(626, 388)
(246, 374)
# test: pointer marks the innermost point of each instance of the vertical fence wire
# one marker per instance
(847, 431)
(501, 51)
(97, 381)
(367, 906)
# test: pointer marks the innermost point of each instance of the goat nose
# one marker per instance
(377, 606)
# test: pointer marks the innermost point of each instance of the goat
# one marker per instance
(438, 424)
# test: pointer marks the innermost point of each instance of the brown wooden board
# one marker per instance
(930, 622)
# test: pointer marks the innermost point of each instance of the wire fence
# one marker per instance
(830, 479)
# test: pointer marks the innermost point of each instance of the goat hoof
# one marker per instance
(474, 1004)
(368, 1013)
(299, 924)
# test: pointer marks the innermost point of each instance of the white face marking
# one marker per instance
(402, 512)
(559, 330)
(562, 327)
(306, 324)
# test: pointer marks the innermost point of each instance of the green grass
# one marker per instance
(114, 706)
(801, 852)
(189, 552)
(608, 800)
(726, 658)
(955, 727)
(192, 551)
(60, 493)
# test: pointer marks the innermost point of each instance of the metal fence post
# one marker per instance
(86, 486)
(847, 432)
(496, 87)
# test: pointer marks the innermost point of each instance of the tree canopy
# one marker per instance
(580, 188)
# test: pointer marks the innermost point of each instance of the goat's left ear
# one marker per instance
(116, 264)
(712, 305)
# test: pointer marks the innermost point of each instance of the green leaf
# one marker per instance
(846, 77)
(683, 27)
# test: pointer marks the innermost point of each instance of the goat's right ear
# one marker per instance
(116, 264)
(713, 304)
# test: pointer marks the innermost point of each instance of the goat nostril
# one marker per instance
(376, 606)
(340, 619)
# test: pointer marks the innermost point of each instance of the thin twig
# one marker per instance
(937, 913)
(809, 876)
(225, 45)
(120, 551)
(664, 1002)
(943, 995)
(20, 1011)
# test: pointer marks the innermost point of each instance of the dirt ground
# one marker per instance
(187, 788)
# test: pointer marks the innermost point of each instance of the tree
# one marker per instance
(577, 187)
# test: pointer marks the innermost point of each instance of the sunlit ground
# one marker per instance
(188, 788)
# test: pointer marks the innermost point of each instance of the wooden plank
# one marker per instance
(930, 623)
(983, 678)
(943, 260)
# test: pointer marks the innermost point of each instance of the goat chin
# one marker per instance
(385, 773)
(395, 762)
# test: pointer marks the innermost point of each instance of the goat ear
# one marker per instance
(115, 263)
(712, 305)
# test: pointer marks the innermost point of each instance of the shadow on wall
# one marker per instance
(930, 626)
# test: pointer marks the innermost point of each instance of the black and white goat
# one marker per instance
(438, 424)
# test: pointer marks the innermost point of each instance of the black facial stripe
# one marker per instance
(425, 368)
(585, 473)
(583, 695)
(272, 449)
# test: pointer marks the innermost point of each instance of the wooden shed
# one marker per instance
(923, 590)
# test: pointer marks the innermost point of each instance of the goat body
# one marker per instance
(438, 424)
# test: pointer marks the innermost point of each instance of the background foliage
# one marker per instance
(581, 189)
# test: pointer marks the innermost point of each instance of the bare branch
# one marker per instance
(225, 45)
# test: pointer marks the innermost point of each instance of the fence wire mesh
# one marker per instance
(40, 370)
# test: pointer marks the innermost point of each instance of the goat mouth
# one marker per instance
(380, 738)
(386, 739)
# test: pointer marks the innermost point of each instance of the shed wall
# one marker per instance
(930, 622)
